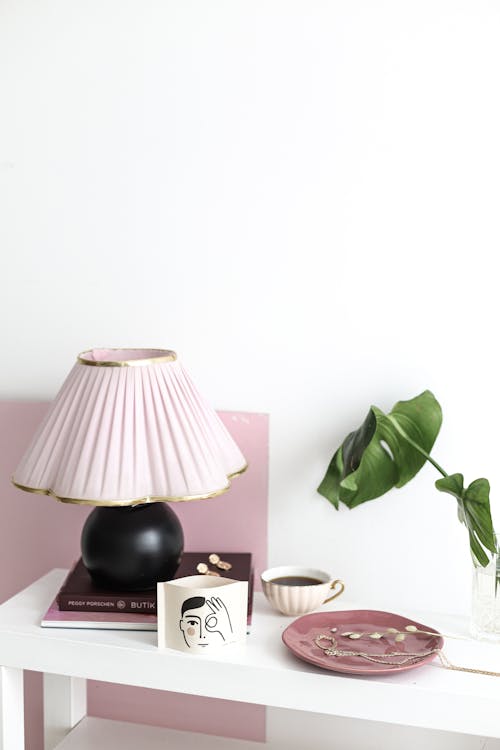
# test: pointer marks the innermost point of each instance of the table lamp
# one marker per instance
(129, 432)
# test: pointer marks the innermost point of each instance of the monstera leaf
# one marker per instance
(474, 512)
(381, 454)
(390, 449)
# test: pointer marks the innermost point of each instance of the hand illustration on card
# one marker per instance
(219, 622)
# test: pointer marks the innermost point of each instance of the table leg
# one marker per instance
(11, 709)
(64, 705)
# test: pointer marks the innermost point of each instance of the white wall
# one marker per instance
(299, 196)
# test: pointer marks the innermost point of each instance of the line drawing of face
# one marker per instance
(204, 621)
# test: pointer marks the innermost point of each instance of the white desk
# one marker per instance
(262, 671)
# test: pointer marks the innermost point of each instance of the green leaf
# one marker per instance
(386, 451)
(329, 487)
(473, 511)
(453, 484)
(360, 469)
(420, 421)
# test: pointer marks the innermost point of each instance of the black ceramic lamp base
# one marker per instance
(132, 548)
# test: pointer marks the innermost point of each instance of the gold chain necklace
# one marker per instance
(396, 659)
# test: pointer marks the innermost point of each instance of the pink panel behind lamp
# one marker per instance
(50, 531)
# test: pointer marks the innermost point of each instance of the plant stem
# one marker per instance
(416, 446)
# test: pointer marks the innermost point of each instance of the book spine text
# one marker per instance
(122, 604)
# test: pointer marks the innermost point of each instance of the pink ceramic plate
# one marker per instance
(300, 635)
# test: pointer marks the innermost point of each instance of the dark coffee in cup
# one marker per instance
(296, 581)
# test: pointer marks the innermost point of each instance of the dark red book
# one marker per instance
(79, 594)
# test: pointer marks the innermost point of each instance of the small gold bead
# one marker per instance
(224, 565)
(212, 573)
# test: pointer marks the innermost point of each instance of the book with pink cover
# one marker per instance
(56, 618)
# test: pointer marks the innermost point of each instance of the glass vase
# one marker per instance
(485, 616)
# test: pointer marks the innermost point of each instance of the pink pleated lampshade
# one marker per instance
(128, 426)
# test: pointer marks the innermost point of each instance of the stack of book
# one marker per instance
(81, 604)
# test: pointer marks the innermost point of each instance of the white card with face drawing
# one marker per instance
(199, 613)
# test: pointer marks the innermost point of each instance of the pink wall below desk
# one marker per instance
(38, 534)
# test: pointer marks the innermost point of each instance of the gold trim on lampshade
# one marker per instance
(136, 501)
(164, 355)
